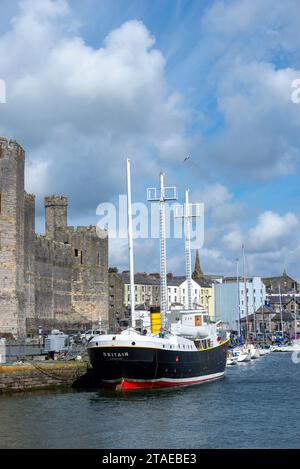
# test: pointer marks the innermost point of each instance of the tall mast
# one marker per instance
(295, 312)
(187, 212)
(163, 254)
(238, 297)
(246, 296)
(280, 305)
(165, 193)
(130, 243)
(188, 266)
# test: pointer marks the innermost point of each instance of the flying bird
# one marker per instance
(186, 158)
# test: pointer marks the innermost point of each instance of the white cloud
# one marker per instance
(272, 231)
(219, 203)
(84, 109)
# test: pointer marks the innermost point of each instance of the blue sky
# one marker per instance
(90, 83)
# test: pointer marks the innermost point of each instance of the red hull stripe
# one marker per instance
(128, 384)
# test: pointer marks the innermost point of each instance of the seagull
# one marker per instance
(186, 158)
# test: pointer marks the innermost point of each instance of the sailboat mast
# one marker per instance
(238, 297)
(188, 266)
(130, 243)
(280, 306)
(295, 312)
(246, 296)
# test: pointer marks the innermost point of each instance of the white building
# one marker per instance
(233, 298)
(178, 293)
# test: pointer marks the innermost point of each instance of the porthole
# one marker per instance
(132, 343)
(114, 338)
(96, 344)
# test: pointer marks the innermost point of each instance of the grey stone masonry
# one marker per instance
(12, 294)
(56, 214)
(59, 280)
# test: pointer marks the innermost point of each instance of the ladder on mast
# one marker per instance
(165, 194)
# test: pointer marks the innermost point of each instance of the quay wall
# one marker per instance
(40, 375)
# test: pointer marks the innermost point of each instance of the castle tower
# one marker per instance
(12, 311)
(197, 274)
(56, 207)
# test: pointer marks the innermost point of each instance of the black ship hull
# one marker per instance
(142, 367)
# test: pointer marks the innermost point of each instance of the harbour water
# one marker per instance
(255, 406)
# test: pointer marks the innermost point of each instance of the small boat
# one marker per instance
(244, 356)
(231, 362)
(231, 359)
(254, 352)
(281, 348)
(263, 351)
(293, 347)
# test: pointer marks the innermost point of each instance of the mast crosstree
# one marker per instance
(164, 194)
(187, 212)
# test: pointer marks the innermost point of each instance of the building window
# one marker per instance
(0, 203)
(76, 252)
(81, 258)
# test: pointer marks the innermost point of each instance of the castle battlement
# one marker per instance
(10, 145)
(56, 200)
(91, 229)
(30, 198)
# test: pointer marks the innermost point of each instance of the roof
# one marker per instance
(284, 299)
(204, 282)
(175, 281)
(139, 279)
(263, 309)
(285, 317)
(142, 307)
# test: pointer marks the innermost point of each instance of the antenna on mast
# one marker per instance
(130, 243)
(187, 212)
(165, 193)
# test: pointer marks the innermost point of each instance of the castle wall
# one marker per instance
(90, 273)
(29, 255)
(59, 280)
(53, 274)
(12, 308)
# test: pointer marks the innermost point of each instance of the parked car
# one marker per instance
(91, 333)
(75, 337)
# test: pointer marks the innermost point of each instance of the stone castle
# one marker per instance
(58, 280)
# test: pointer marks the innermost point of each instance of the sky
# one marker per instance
(92, 83)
